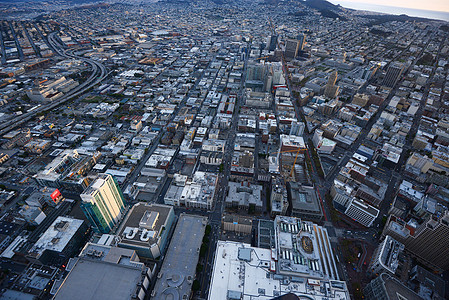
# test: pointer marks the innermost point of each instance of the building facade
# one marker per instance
(427, 241)
(103, 203)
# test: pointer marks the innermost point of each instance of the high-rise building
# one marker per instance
(427, 241)
(361, 212)
(388, 288)
(386, 257)
(394, 71)
(292, 47)
(331, 89)
(272, 42)
(103, 203)
(302, 41)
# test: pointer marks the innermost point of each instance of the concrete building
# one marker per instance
(427, 241)
(32, 214)
(103, 203)
(178, 269)
(428, 285)
(33, 282)
(68, 171)
(59, 242)
(236, 223)
(331, 90)
(362, 212)
(393, 74)
(305, 202)
(292, 142)
(292, 46)
(341, 194)
(135, 126)
(198, 191)
(278, 197)
(360, 99)
(54, 172)
(256, 276)
(146, 229)
(272, 42)
(244, 195)
(388, 288)
(211, 158)
(343, 199)
(386, 256)
(103, 272)
(295, 262)
(322, 144)
(303, 249)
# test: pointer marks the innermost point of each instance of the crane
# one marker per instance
(294, 162)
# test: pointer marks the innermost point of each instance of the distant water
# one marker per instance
(430, 14)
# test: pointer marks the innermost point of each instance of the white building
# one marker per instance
(386, 256)
(196, 192)
(244, 272)
(136, 125)
(362, 212)
(322, 144)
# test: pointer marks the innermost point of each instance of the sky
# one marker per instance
(435, 5)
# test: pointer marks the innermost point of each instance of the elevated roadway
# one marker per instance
(99, 73)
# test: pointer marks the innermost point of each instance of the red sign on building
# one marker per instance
(55, 195)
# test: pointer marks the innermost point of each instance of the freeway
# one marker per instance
(99, 73)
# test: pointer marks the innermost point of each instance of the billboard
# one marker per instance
(55, 195)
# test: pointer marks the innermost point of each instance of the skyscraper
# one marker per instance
(291, 49)
(272, 42)
(427, 241)
(103, 203)
(302, 41)
(394, 71)
(331, 89)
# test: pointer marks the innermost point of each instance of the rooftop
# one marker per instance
(304, 199)
(57, 235)
(143, 223)
(302, 249)
(178, 270)
(389, 255)
(92, 279)
(245, 272)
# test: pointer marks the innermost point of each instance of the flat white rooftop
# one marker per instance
(245, 272)
(57, 235)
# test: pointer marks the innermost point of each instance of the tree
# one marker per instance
(208, 229)
(196, 285)
(199, 268)
(203, 250)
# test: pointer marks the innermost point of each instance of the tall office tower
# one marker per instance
(302, 41)
(103, 203)
(394, 71)
(387, 287)
(272, 42)
(291, 49)
(331, 89)
(428, 241)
